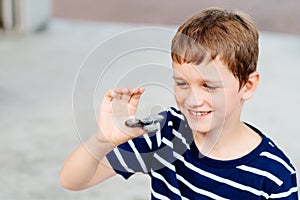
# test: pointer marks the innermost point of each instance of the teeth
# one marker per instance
(199, 113)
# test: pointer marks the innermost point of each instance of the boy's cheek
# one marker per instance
(178, 102)
(177, 94)
(218, 100)
(179, 98)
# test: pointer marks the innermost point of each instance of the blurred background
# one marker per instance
(275, 16)
(49, 64)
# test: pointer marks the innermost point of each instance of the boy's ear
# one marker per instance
(250, 87)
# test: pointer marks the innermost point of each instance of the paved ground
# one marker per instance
(38, 72)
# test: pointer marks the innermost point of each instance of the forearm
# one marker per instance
(80, 167)
(84, 167)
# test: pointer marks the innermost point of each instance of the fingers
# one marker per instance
(119, 93)
(128, 94)
(134, 101)
(132, 97)
(125, 100)
(121, 104)
(108, 96)
(122, 94)
(135, 97)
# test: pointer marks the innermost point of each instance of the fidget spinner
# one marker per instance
(149, 124)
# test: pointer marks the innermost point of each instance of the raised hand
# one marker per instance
(117, 106)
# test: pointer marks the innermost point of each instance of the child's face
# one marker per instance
(208, 95)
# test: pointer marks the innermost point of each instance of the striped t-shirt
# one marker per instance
(179, 171)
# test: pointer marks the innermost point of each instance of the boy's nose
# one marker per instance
(197, 97)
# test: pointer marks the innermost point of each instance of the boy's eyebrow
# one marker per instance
(177, 77)
(206, 80)
(213, 81)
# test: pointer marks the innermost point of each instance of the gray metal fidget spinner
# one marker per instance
(149, 124)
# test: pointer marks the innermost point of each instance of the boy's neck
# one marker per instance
(230, 143)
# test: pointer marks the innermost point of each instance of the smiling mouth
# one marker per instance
(199, 113)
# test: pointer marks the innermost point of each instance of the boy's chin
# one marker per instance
(200, 125)
(200, 131)
(205, 128)
(201, 128)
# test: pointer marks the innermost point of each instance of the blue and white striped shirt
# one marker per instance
(179, 171)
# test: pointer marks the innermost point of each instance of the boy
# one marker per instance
(202, 150)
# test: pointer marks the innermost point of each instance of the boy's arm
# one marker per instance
(85, 166)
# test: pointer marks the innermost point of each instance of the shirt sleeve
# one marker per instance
(137, 155)
(288, 190)
(132, 156)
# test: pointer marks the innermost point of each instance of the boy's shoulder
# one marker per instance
(273, 164)
(270, 161)
(274, 157)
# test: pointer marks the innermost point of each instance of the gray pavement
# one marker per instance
(38, 71)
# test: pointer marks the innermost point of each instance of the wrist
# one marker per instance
(102, 139)
(98, 148)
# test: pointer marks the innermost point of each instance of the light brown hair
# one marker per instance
(218, 32)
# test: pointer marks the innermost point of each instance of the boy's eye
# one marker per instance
(209, 87)
(181, 84)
